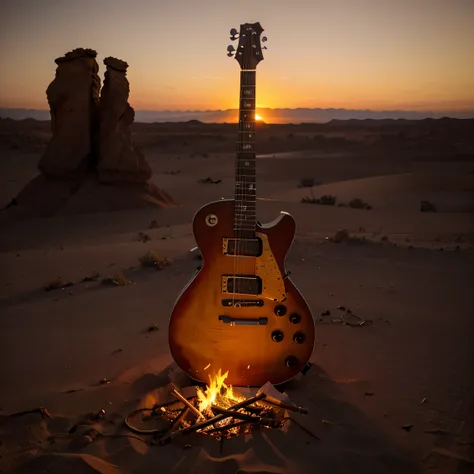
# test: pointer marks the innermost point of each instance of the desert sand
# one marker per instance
(392, 396)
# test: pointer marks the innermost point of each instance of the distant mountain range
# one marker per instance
(299, 115)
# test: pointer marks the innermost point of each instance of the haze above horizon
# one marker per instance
(365, 54)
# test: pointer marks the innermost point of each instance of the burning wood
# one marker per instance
(221, 412)
(217, 411)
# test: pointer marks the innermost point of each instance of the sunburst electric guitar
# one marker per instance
(240, 312)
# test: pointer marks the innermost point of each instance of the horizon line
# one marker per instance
(433, 111)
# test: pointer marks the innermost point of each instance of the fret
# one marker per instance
(247, 115)
(247, 78)
(247, 103)
(246, 135)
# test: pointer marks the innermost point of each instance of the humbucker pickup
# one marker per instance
(242, 303)
(242, 284)
(242, 247)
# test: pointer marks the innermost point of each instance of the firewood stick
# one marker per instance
(215, 419)
(177, 421)
(236, 414)
(176, 394)
(286, 406)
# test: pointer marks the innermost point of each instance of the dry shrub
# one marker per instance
(153, 260)
(93, 277)
(340, 236)
(58, 283)
(343, 236)
(358, 203)
(143, 237)
(325, 200)
(118, 280)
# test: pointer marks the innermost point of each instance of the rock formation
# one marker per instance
(73, 98)
(91, 145)
(120, 160)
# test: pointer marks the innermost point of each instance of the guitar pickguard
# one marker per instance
(273, 286)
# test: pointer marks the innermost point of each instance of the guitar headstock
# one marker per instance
(249, 49)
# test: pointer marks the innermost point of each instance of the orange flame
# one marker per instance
(217, 393)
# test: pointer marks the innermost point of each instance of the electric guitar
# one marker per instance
(240, 312)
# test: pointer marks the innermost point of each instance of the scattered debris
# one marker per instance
(407, 428)
(348, 318)
(152, 328)
(73, 390)
(369, 394)
(104, 381)
(210, 181)
(326, 313)
(99, 415)
(424, 400)
(116, 351)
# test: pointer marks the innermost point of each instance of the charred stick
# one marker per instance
(306, 430)
(176, 394)
(286, 406)
(211, 421)
(236, 414)
(177, 421)
(41, 410)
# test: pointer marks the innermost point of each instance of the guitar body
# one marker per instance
(261, 337)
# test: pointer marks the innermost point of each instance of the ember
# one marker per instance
(217, 411)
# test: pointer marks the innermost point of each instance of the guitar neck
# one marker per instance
(245, 217)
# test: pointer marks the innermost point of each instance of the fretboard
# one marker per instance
(245, 217)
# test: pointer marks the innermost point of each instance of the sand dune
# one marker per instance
(410, 366)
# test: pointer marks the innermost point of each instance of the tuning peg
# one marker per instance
(264, 39)
(233, 34)
(230, 50)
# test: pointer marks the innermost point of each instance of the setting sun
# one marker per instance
(258, 117)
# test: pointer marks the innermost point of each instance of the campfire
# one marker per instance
(219, 411)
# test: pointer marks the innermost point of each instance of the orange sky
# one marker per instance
(354, 54)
